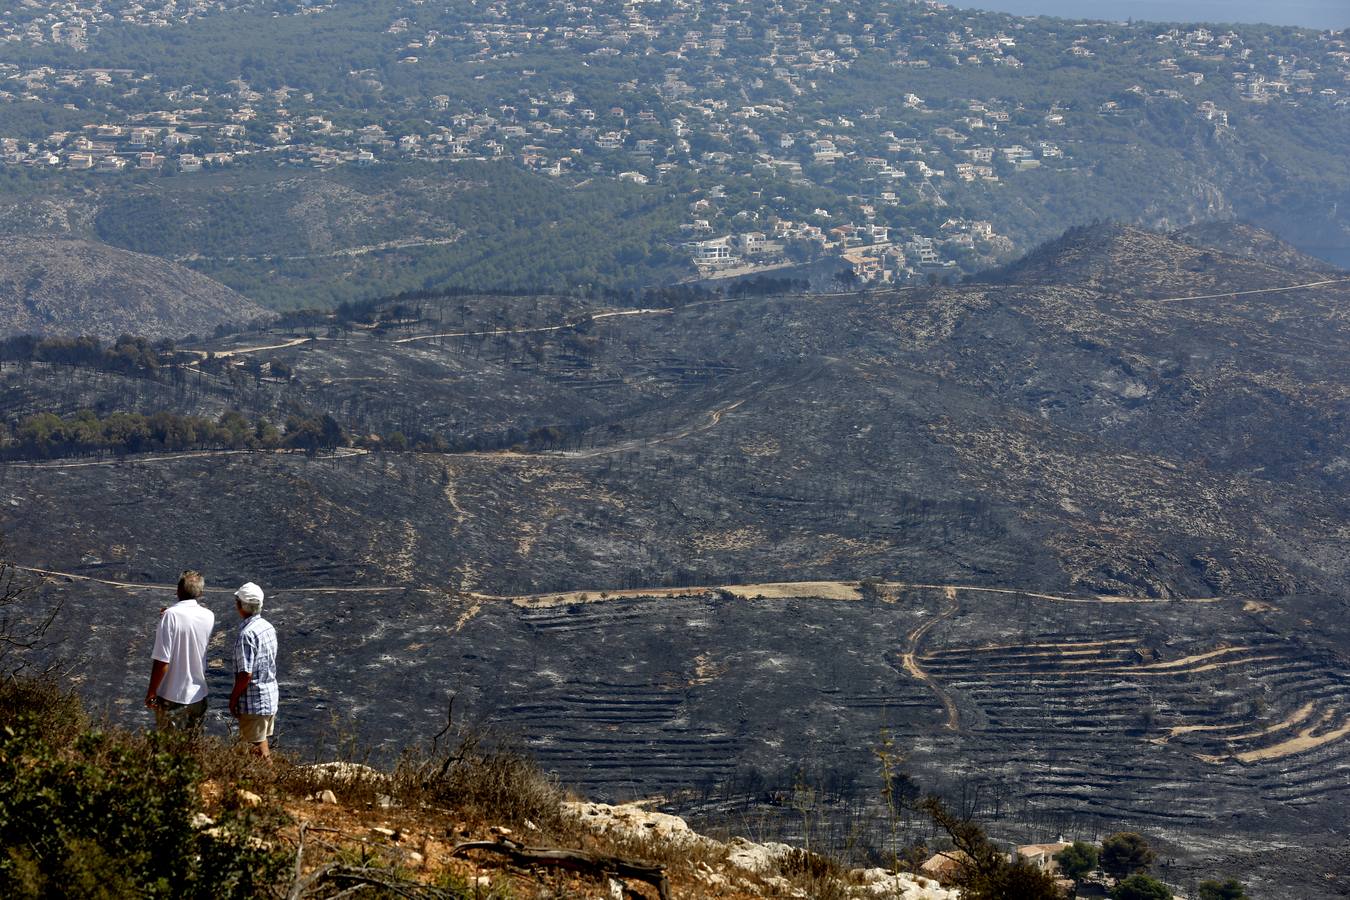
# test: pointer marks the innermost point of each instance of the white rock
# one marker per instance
(345, 772)
(326, 796)
(632, 820)
(884, 883)
(754, 857)
(712, 879)
(783, 886)
(248, 798)
(382, 831)
(202, 820)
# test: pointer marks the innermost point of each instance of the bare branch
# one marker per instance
(449, 723)
(296, 889)
(593, 864)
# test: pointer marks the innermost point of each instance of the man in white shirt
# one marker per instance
(177, 691)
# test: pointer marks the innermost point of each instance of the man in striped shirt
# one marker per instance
(254, 698)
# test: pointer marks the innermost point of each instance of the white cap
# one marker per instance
(249, 593)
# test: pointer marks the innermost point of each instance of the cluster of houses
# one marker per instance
(115, 148)
(1261, 75)
(869, 252)
(942, 866)
(735, 78)
(74, 22)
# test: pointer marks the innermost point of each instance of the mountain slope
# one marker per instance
(73, 287)
(1247, 241)
(1140, 264)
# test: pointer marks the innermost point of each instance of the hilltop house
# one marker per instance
(1042, 856)
(716, 251)
(942, 866)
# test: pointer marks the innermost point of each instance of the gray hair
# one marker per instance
(250, 606)
(191, 585)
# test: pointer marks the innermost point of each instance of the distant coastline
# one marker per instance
(1307, 14)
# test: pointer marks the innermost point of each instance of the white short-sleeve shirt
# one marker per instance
(180, 640)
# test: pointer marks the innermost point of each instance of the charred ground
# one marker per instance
(1127, 415)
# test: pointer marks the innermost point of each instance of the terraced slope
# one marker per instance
(1082, 716)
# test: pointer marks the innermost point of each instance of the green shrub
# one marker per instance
(86, 813)
(1229, 889)
(1125, 853)
(1141, 887)
(1077, 860)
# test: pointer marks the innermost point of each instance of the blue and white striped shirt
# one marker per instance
(255, 652)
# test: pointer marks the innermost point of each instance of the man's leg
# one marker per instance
(184, 717)
(255, 730)
(194, 717)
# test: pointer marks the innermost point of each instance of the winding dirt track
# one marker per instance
(539, 329)
(909, 659)
(665, 311)
(139, 458)
(1274, 290)
(240, 351)
(833, 591)
(151, 586)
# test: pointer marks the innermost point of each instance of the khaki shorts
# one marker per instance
(170, 716)
(255, 729)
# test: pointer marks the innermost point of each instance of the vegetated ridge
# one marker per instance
(56, 286)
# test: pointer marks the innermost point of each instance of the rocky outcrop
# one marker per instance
(741, 864)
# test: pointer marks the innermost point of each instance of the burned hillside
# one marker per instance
(1075, 536)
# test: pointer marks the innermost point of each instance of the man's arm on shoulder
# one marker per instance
(164, 632)
(159, 656)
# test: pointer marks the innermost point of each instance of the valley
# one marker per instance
(1073, 536)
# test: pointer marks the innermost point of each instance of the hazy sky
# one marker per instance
(1308, 13)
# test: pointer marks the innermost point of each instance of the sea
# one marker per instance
(1322, 14)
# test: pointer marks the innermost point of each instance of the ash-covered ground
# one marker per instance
(1077, 541)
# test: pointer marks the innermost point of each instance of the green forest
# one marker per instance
(242, 229)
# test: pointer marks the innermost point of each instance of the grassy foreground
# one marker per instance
(91, 811)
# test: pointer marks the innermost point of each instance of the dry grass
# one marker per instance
(482, 782)
(401, 827)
